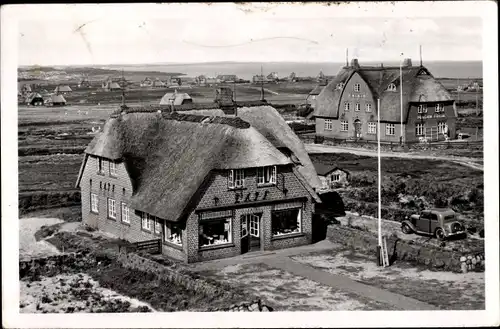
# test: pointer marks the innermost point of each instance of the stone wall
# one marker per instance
(407, 250)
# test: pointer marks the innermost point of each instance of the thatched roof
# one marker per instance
(417, 87)
(317, 90)
(324, 169)
(64, 88)
(272, 125)
(169, 156)
(176, 98)
(33, 97)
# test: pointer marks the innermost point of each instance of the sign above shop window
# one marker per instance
(431, 116)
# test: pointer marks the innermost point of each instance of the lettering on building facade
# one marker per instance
(250, 197)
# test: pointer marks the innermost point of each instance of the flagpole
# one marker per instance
(379, 248)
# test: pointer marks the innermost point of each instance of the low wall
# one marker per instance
(135, 261)
(408, 250)
(30, 201)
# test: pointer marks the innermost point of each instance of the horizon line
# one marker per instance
(236, 62)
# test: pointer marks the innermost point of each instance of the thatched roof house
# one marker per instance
(418, 86)
(63, 89)
(347, 107)
(206, 186)
(34, 99)
(175, 98)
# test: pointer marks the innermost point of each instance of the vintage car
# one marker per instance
(442, 223)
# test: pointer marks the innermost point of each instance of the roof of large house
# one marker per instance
(33, 96)
(177, 98)
(170, 155)
(272, 125)
(418, 86)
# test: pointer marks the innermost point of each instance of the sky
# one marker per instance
(187, 33)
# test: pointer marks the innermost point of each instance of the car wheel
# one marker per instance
(406, 229)
(440, 233)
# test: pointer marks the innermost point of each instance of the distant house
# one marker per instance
(175, 98)
(146, 82)
(311, 98)
(227, 78)
(273, 76)
(84, 83)
(347, 107)
(331, 176)
(34, 99)
(292, 77)
(110, 85)
(212, 81)
(159, 84)
(64, 89)
(56, 100)
(260, 79)
(24, 89)
(201, 80)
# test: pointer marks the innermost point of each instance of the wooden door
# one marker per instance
(254, 230)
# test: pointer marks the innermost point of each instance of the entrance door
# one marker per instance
(357, 129)
(250, 232)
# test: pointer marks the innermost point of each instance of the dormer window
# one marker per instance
(439, 108)
(357, 87)
(391, 87)
(422, 108)
(236, 178)
(340, 86)
(266, 175)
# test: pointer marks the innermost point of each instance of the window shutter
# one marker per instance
(230, 181)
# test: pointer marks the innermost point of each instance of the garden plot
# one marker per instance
(74, 293)
(288, 292)
(446, 290)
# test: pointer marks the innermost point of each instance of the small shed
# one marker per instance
(332, 176)
(175, 98)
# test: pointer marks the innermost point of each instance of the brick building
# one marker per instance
(347, 107)
(208, 186)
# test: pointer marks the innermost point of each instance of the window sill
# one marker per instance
(216, 246)
(100, 173)
(146, 230)
(94, 212)
(237, 188)
(266, 185)
(172, 245)
(287, 236)
(111, 218)
(113, 176)
(125, 223)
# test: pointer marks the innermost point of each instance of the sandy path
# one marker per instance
(319, 148)
(28, 246)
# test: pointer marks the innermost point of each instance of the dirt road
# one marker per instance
(318, 148)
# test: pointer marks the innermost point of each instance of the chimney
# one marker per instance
(407, 62)
(354, 63)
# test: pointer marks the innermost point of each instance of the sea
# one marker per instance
(439, 69)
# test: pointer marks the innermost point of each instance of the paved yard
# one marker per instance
(443, 290)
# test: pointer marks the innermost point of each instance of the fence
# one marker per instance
(151, 246)
(392, 146)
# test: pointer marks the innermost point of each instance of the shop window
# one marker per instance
(286, 221)
(419, 129)
(215, 232)
(173, 233)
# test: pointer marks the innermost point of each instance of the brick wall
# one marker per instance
(217, 187)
